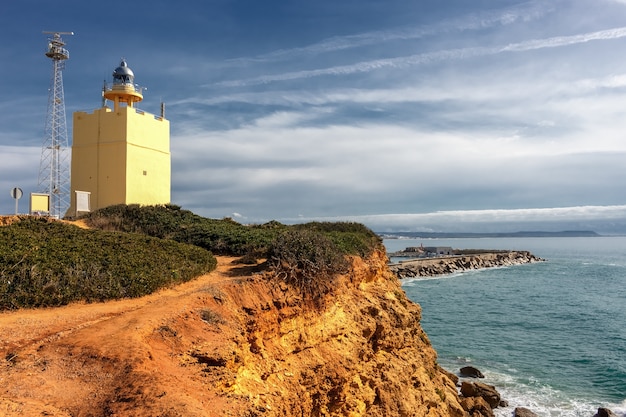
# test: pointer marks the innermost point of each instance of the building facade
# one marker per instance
(120, 155)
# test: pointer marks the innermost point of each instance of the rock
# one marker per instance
(421, 267)
(471, 372)
(478, 389)
(477, 407)
(523, 412)
(604, 412)
(452, 377)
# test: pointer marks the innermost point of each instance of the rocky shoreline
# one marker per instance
(476, 398)
(441, 265)
(480, 399)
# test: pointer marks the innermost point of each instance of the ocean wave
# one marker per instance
(413, 281)
(548, 337)
(531, 393)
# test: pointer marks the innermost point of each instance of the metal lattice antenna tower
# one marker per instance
(54, 170)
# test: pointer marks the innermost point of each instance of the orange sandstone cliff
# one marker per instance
(230, 343)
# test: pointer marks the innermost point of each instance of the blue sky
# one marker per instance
(421, 115)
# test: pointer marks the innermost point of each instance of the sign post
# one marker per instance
(16, 193)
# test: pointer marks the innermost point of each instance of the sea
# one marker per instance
(550, 336)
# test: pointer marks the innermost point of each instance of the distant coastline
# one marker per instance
(462, 235)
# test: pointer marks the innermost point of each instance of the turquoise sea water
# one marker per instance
(550, 336)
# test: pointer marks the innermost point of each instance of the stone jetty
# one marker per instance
(441, 265)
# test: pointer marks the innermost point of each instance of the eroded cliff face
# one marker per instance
(363, 353)
(232, 343)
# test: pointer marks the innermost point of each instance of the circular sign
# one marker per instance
(16, 193)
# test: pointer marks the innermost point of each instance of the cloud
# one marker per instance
(432, 57)
(504, 108)
(16, 170)
(558, 41)
(512, 130)
(494, 220)
(525, 13)
(276, 165)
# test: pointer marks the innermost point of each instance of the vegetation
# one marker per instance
(222, 237)
(50, 263)
(226, 236)
(134, 250)
(349, 238)
(307, 260)
(307, 256)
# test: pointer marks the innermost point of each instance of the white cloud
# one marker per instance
(19, 168)
(478, 21)
(466, 112)
(379, 162)
(455, 218)
(557, 41)
(432, 57)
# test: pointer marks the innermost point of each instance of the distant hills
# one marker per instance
(453, 235)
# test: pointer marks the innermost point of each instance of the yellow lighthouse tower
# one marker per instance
(120, 155)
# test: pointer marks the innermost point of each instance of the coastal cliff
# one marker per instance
(362, 354)
(235, 342)
(427, 267)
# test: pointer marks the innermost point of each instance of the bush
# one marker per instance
(223, 237)
(226, 236)
(307, 256)
(307, 260)
(50, 263)
(350, 238)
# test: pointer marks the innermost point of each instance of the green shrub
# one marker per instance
(226, 236)
(350, 238)
(223, 237)
(307, 260)
(50, 263)
(134, 250)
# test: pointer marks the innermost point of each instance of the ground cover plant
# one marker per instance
(225, 236)
(221, 237)
(133, 250)
(306, 256)
(50, 263)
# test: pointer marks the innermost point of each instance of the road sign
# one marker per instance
(16, 193)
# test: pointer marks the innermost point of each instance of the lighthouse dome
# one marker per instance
(123, 74)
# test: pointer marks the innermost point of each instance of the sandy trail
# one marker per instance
(31, 326)
(76, 359)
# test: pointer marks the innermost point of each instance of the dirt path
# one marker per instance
(78, 359)
(20, 328)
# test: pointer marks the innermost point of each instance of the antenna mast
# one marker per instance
(54, 171)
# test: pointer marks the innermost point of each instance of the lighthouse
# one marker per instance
(120, 154)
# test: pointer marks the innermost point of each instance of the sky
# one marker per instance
(443, 115)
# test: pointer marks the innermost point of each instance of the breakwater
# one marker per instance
(441, 265)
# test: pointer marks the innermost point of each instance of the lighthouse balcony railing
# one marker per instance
(125, 87)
